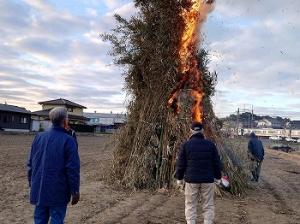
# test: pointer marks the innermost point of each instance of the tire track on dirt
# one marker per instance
(141, 208)
(283, 186)
(171, 211)
(292, 184)
(144, 212)
(281, 204)
(118, 210)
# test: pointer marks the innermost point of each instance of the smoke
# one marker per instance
(205, 8)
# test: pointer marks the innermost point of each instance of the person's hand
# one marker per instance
(218, 181)
(75, 198)
(180, 183)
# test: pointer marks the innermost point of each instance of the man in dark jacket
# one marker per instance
(256, 154)
(53, 171)
(71, 132)
(199, 165)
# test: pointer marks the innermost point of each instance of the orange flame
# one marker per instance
(193, 19)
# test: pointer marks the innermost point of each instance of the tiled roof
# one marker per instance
(62, 101)
(12, 108)
(45, 113)
(105, 115)
(106, 118)
(295, 124)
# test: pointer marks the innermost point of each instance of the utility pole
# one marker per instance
(252, 115)
(249, 120)
(237, 121)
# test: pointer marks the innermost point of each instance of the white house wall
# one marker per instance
(15, 130)
(295, 133)
(38, 125)
(270, 132)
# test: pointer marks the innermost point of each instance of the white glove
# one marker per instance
(180, 183)
(218, 181)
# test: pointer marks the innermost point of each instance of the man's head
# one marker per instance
(196, 128)
(58, 116)
(252, 135)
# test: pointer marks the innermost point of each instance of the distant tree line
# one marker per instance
(246, 115)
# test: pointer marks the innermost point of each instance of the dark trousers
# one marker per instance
(43, 214)
(255, 169)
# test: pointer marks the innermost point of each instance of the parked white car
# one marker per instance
(276, 138)
(298, 140)
(290, 140)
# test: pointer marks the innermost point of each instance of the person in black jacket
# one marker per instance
(256, 154)
(71, 132)
(199, 165)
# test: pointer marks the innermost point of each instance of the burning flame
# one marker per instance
(193, 19)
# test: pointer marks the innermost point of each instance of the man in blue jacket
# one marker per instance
(199, 165)
(53, 171)
(256, 154)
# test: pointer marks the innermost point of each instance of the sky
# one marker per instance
(51, 49)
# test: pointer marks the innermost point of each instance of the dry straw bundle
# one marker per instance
(147, 46)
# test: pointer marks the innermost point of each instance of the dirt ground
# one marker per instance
(276, 199)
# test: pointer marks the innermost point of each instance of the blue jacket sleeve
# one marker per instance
(75, 138)
(216, 163)
(181, 163)
(250, 147)
(29, 162)
(72, 166)
(29, 168)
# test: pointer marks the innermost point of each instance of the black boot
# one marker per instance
(254, 176)
(257, 177)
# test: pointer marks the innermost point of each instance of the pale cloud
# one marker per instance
(112, 4)
(125, 11)
(49, 53)
(253, 48)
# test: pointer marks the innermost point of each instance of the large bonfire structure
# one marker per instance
(169, 87)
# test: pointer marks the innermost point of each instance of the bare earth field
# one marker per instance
(276, 199)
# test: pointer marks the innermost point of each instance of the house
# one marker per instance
(270, 123)
(41, 118)
(294, 125)
(271, 132)
(294, 129)
(106, 122)
(14, 118)
(266, 132)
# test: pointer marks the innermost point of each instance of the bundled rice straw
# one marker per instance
(146, 148)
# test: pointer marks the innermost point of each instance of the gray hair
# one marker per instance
(196, 132)
(57, 115)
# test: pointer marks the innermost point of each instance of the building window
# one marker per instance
(70, 109)
(23, 120)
